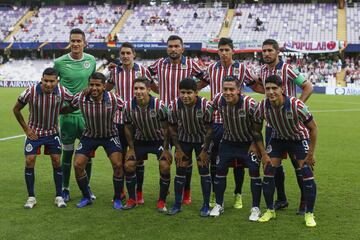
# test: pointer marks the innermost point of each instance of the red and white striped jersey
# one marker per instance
(289, 121)
(146, 120)
(99, 116)
(169, 76)
(238, 118)
(123, 79)
(217, 72)
(44, 108)
(190, 121)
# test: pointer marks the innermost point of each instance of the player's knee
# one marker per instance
(254, 172)
(30, 161)
(130, 166)
(164, 167)
(180, 171)
(306, 172)
(269, 170)
(203, 170)
(221, 170)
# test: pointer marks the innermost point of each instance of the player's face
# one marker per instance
(141, 91)
(273, 92)
(188, 96)
(97, 88)
(127, 56)
(225, 53)
(269, 54)
(175, 49)
(48, 83)
(77, 43)
(231, 92)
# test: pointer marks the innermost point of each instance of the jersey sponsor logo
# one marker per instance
(199, 114)
(184, 66)
(79, 147)
(86, 64)
(152, 113)
(269, 149)
(29, 147)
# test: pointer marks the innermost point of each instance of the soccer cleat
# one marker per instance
(117, 204)
(30, 202)
(269, 214)
(187, 197)
(84, 202)
(66, 195)
(279, 204)
(238, 201)
(139, 198)
(310, 219)
(204, 211)
(161, 206)
(255, 214)
(92, 196)
(212, 200)
(217, 210)
(174, 210)
(130, 204)
(59, 202)
(302, 208)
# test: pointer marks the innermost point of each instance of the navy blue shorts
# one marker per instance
(122, 138)
(228, 151)
(52, 145)
(143, 148)
(188, 148)
(298, 149)
(88, 146)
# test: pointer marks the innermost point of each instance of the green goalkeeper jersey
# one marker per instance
(74, 74)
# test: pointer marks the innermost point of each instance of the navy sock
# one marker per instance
(239, 179)
(205, 180)
(88, 168)
(57, 174)
(309, 188)
(179, 183)
(118, 183)
(269, 186)
(164, 186)
(280, 183)
(30, 181)
(140, 169)
(83, 183)
(300, 181)
(130, 184)
(255, 185)
(188, 177)
(220, 186)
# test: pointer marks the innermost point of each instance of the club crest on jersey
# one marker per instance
(152, 113)
(86, 64)
(289, 115)
(79, 147)
(236, 72)
(183, 66)
(199, 114)
(58, 99)
(279, 73)
(29, 147)
(138, 75)
(242, 112)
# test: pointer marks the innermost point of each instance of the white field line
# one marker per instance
(12, 137)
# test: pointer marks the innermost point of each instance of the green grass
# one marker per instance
(337, 205)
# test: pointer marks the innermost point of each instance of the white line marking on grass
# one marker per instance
(12, 137)
(336, 110)
(320, 101)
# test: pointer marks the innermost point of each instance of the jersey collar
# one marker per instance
(40, 91)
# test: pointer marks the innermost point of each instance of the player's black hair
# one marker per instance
(98, 75)
(77, 31)
(231, 78)
(226, 41)
(272, 42)
(274, 79)
(127, 45)
(188, 84)
(143, 80)
(50, 71)
(174, 37)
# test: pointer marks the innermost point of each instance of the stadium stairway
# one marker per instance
(121, 22)
(225, 31)
(17, 27)
(341, 36)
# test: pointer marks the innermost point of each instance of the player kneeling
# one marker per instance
(98, 107)
(45, 100)
(295, 132)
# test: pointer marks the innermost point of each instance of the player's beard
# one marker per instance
(174, 56)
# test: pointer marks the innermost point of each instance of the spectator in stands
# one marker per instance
(238, 12)
(239, 26)
(250, 15)
(195, 15)
(226, 22)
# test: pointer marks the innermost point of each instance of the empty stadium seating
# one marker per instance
(9, 17)
(353, 23)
